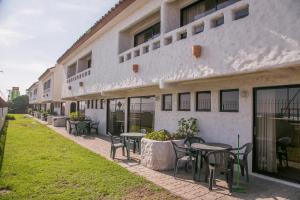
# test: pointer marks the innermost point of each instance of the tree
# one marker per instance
(19, 105)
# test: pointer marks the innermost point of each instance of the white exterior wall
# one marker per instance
(3, 113)
(268, 38)
(262, 43)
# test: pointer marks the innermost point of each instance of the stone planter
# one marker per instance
(158, 155)
(49, 119)
(59, 121)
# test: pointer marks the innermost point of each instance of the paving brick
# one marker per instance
(184, 186)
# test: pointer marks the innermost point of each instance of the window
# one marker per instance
(89, 63)
(92, 104)
(96, 104)
(71, 70)
(239, 14)
(229, 100)
(47, 85)
(141, 113)
(101, 103)
(146, 35)
(202, 8)
(88, 104)
(184, 101)
(167, 102)
(203, 101)
(82, 106)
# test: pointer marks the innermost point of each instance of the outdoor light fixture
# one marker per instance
(244, 93)
(196, 50)
(135, 68)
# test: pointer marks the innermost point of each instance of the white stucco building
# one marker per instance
(233, 65)
(45, 94)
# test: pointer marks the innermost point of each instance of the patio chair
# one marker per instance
(72, 126)
(82, 128)
(94, 126)
(182, 154)
(189, 140)
(281, 149)
(116, 143)
(244, 152)
(144, 131)
(220, 161)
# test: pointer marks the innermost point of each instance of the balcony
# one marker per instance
(204, 25)
(79, 76)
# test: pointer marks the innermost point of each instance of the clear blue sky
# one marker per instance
(34, 33)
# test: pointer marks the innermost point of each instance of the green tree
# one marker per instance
(19, 105)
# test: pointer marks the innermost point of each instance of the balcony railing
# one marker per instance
(79, 75)
(188, 31)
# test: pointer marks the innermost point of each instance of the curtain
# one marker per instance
(266, 131)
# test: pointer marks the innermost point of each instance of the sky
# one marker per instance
(35, 33)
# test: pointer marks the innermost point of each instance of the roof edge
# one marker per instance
(110, 15)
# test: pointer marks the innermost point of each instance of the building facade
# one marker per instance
(45, 94)
(232, 64)
(13, 93)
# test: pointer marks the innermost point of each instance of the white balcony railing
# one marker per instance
(79, 75)
(188, 31)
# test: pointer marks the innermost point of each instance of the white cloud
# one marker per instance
(9, 38)
(31, 12)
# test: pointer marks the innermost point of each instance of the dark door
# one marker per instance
(277, 132)
(115, 116)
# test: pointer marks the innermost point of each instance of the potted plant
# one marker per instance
(76, 116)
(157, 152)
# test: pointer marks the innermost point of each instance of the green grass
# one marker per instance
(40, 164)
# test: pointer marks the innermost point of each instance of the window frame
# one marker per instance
(203, 92)
(179, 101)
(220, 103)
(135, 44)
(88, 104)
(163, 106)
(101, 103)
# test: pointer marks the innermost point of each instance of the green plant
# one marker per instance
(10, 117)
(161, 135)
(187, 127)
(76, 116)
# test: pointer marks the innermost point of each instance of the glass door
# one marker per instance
(277, 132)
(141, 113)
(116, 116)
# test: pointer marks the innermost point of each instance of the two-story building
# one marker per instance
(232, 64)
(34, 95)
(45, 94)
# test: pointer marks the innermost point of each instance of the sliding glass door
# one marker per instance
(115, 116)
(277, 132)
(141, 113)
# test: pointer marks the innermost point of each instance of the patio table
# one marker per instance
(134, 136)
(206, 147)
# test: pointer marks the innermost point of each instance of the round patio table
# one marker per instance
(206, 147)
(134, 136)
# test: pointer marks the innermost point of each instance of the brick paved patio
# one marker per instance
(184, 186)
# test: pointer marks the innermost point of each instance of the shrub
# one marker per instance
(187, 127)
(76, 116)
(161, 135)
(10, 117)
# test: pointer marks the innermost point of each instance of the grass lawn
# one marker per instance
(40, 164)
